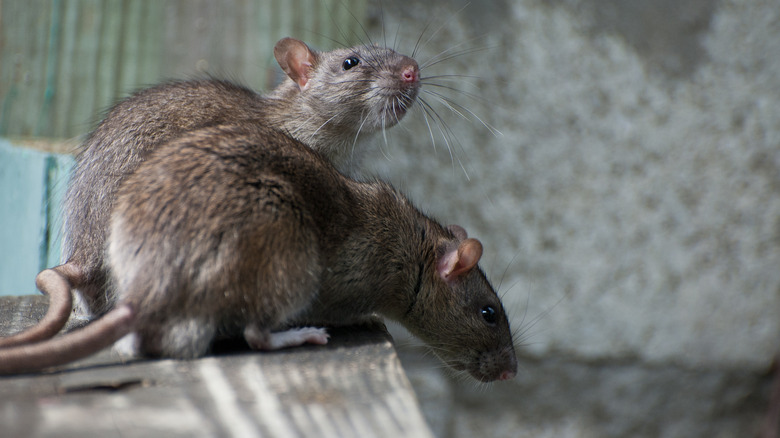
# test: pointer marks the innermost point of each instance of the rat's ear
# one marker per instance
(296, 59)
(459, 261)
(459, 232)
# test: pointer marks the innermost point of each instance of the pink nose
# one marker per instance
(506, 375)
(410, 74)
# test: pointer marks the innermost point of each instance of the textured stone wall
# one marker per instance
(629, 207)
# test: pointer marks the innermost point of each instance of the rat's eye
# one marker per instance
(489, 314)
(350, 62)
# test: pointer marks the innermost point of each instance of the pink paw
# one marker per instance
(287, 338)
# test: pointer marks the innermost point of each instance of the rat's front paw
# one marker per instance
(261, 340)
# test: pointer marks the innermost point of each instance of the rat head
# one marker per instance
(359, 89)
(459, 315)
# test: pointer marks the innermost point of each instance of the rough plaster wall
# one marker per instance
(634, 194)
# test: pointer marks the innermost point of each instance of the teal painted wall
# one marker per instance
(32, 184)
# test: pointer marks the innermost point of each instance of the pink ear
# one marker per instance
(296, 59)
(457, 262)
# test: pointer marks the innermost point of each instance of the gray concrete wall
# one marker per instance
(630, 207)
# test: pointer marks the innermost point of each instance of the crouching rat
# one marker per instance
(327, 102)
(239, 229)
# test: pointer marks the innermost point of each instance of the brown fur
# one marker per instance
(240, 225)
(336, 108)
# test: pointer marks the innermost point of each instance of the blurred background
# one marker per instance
(626, 186)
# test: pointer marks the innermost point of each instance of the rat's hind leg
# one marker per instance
(127, 346)
(184, 338)
(260, 339)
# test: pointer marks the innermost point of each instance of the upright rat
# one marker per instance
(329, 100)
(240, 229)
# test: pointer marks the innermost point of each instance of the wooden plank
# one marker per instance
(352, 387)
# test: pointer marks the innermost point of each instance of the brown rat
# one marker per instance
(328, 101)
(240, 229)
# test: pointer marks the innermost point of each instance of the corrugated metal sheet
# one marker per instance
(62, 62)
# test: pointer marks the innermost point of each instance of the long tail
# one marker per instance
(72, 346)
(57, 283)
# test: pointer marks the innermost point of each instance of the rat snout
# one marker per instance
(510, 371)
(411, 74)
(496, 365)
(410, 71)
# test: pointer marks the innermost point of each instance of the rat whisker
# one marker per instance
(321, 126)
(385, 147)
(428, 124)
(468, 94)
(427, 352)
(518, 331)
(512, 286)
(337, 23)
(395, 39)
(445, 23)
(419, 38)
(449, 104)
(454, 51)
(382, 22)
(457, 78)
(447, 135)
(375, 60)
(357, 134)
(459, 109)
(449, 54)
(360, 25)
(506, 269)
(523, 330)
(351, 81)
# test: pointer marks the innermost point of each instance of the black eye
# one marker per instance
(489, 314)
(350, 62)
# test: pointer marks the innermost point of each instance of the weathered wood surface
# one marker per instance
(353, 387)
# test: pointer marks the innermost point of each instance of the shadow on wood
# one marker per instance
(354, 386)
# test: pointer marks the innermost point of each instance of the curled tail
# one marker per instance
(57, 283)
(72, 346)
